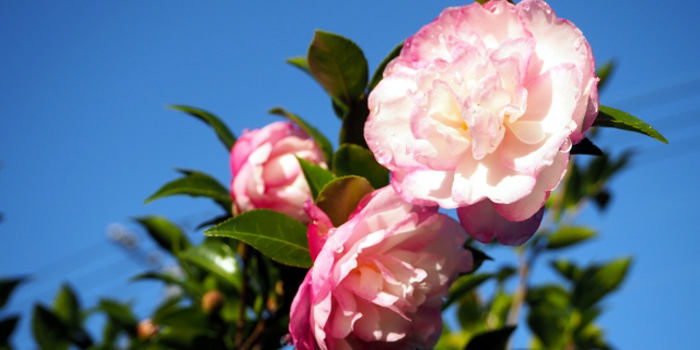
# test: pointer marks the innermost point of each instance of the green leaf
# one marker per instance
(499, 308)
(340, 197)
(190, 287)
(7, 286)
(7, 326)
(478, 257)
(567, 269)
(67, 307)
(274, 234)
(491, 340)
(569, 235)
(611, 117)
(189, 317)
(316, 176)
(321, 140)
(48, 329)
(379, 73)
(351, 159)
(120, 314)
(599, 280)
(222, 131)
(339, 65)
(604, 73)
(195, 184)
(217, 258)
(586, 147)
(465, 285)
(165, 233)
(299, 62)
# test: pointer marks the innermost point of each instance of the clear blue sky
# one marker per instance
(85, 137)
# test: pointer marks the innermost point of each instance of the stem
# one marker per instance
(253, 336)
(521, 290)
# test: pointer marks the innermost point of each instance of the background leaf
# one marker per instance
(7, 286)
(299, 62)
(611, 117)
(340, 197)
(316, 177)
(596, 281)
(48, 329)
(217, 258)
(320, 139)
(585, 146)
(67, 307)
(165, 233)
(7, 326)
(465, 285)
(222, 131)
(274, 234)
(351, 159)
(195, 184)
(569, 235)
(491, 340)
(339, 65)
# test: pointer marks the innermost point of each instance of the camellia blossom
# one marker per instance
(480, 110)
(266, 173)
(379, 279)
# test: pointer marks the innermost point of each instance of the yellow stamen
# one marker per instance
(464, 126)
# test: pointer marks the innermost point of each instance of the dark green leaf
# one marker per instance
(165, 233)
(469, 311)
(465, 285)
(217, 258)
(340, 197)
(478, 257)
(491, 340)
(213, 221)
(601, 199)
(321, 140)
(316, 176)
(586, 147)
(354, 121)
(611, 117)
(7, 285)
(7, 326)
(505, 273)
(67, 307)
(190, 317)
(274, 234)
(225, 135)
(549, 325)
(379, 73)
(195, 184)
(48, 329)
(567, 269)
(339, 65)
(569, 235)
(121, 315)
(604, 73)
(299, 62)
(499, 308)
(597, 281)
(190, 287)
(351, 159)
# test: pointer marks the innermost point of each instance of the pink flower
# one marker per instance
(378, 280)
(482, 106)
(266, 173)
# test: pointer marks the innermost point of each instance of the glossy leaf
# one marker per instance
(491, 340)
(67, 307)
(465, 285)
(7, 286)
(274, 234)
(195, 184)
(585, 146)
(7, 326)
(339, 65)
(478, 258)
(351, 159)
(611, 117)
(165, 233)
(570, 235)
(549, 314)
(222, 131)
(217, 258)
(567, 269)
(379, 73)
(316, 176)
(299, 62)
(340, 197)
(320, 139)
(48, 329)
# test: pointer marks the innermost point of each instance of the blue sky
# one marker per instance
(85, 137)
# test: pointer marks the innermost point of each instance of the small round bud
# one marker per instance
(212, 301)
(146, 329)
